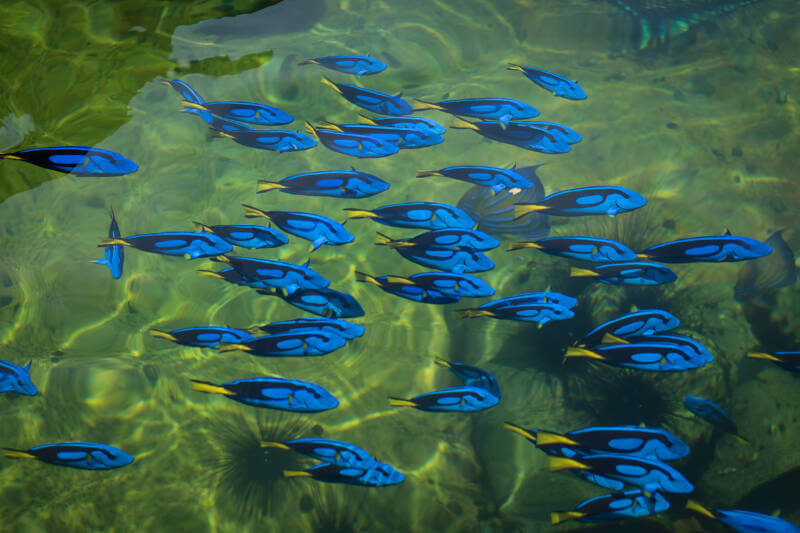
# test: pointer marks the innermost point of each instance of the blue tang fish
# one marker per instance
(745, 521)
(273, 393)
(275, 140)
(406, 288)
(450, 284)
(591, 249)
(555, 83)
(500, 109)
(497, 179)
(15, 378)
(614, 507)
(354, 144)
(405, 138)
(247, 235)
(183, 88)
(415, 123)
(378, 475)
(788, 360)
(472, 376)
(634, 441)
(343, 328)
(269, 273)
(356, 65)
(425, 215)
(204, 336)
(323, 302)
(335, 452)
(541, 313)
(687, 344)
(181, 243)
(599, 200)
(649, 474)
(458, 261)
(230, 275)
(712, 413)
(519, 134)
(83, 161)
(218, 124)
(567, 134)
(315, 228)
(637, 323)
(465, 399)
(709, 248)
(453, 238)
(249, 112)
(334, 183)
(526, 298)
(114, 254)
(630, 273)
(767, 274)
(290, 344)
(654, 357)
(377, 102)
(83, 455)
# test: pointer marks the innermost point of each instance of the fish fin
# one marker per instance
(354, 212)
(512, 66)
(398, 280)
(210, 273)
(204, 227)
(99, 262)
(329, 83)
(192, 105)
(264, 186)
(400, 402)
(254, 212)
(311, 131)
(608, 338)
(112, 242)
(521, 210)
(461, 124)
(366, 120)
(474, 313)
(17, 454)
(543, 438)
(694, 506)
(643, 256)
(382, 239)
(360, 276)
(427, 173)
(423, 105)
(28, 366)
(316, 243)
(574, 351)
(325, 125)
(210, 388)
(232, 347)
(741, 438)
(520, 431)
(525, 244)
(727, 231)
(441, 362)
(279, 445)
(296, 473)
(220, 259)
(163, 335)
(557, 517)
(308, 62)
(564, 463)
(575, 272)
(761, 355)
(11, 156)
(220, 133)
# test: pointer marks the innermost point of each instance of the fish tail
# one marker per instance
(193, 105)
(311, 131)
(422, 105)
(232, 347)
(400, 402)
(113, 241)
(512, 66)
(210, 273)
(473, 313)
(608, 338)
(575, 272)
(526, 244)
(761, 355)
(264, 186)
(329, 83)
(643, 256)
(210, 388)
(324, 124)
(220, 259)
(279, 445)
(308, 62)
(520, 210)
(426, 173)
(563, 463)
(360, 276)
(204, 227)
(461, 124)
(354, 212)
(545, 437)
(366, 120)
(383, 240)
(441, 362)
(11, 156)
(163, 335)
(99, 262)
(574, 351)
(557, 517)
(694, 506)
(296, 473)
(17, 454)
(254, 212)
(520, 431)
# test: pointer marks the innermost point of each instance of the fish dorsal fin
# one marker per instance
(512, 166)
(366, 120)
(727, 231)
(307, 264)
(28, 366)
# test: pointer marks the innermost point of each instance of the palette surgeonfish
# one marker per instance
(541, 313)
(769, 273)
(280, 141)
(378, 475)
(649, 474)
(343, 328)
(687, 344)
(247, 235)
(614, 507)
(15, 378)
(249, 112)
(569, 135)
(788, 360)
(453, 238)
(290, 344)
(417, 123)
(555, 83)
(218, 124)
(745, 521)
(334, 183)
(75, 454)
(500, 109)
(450, 284)
(316, 228)
(181, 243)
(425, 215)
(324, 302)
(629, 273)
(356, 65)
(405, 138)
(593, 249)
(332, 451)
(405, 288)
(712, 413)
(637, 323)
(230, 275)
(519, 134)
(650, 356)
(464, 399)
(459, 261)
(635, 441)
(203, 336)
(114, 255)
(273, 393)
(83, 161)
(709, 248)
(540, 297)
(377, 102)
(271, 273)
(185, 90)
(497, 179)
(598, 200)
(354, 144)
(472, 376)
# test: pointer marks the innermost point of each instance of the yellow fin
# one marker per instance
(359, 213)
(296, 473)
(279, 445)
(399, 402)
(211, 273)
(12, 156)
(231, 347)
(762, 355)
(382, 239)
(325, 125)
(557, 517)
(264, 186)
(163, 335)
(366, 120)
(461, 124)
(442, 362)
(474, 313)
(520, 210)
(112, 242)
(694, 506)
(308, 62)
(563, 463)
(427, 173)
(608, 338)
(254, 212)
(544, 438)
(520, 431)
(17, 454)
(512, 66)
(642, 256)
(574, 351)
(422, 105)
(210, 388)
(329, 83)
(526, 244)
(193, 105)
(360, 276)
(575, 272)
(398, 280)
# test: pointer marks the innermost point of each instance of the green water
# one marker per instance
(707, 131)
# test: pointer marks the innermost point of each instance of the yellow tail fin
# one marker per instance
(422, 105)
(520, 431)
(366, 120)
(400, 402)
(563, 463)
(642, 256)
(526, 244)
(11, 156)
(163, 335)
(562, 516)
(210, 388)
(264, 186)
(461, 124)
(608, 338)
(211, 273)
(325, 125)
(254, 212)
(398, 280)
(383, 240)
(296, 473)
(360, 276)
(545, 438)
(512, 66)
(694, 506)
(112, 242)
(520, 210)
(329, 83)
(279, 445)
(474, 313)
(17, 454)
(359, 213)
(442, 362)
(761, 355)
(427, 173)
(308, 62)
(193, 105)
(574, 351)
(575, 272)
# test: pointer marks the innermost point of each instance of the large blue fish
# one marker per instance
(453, 238)
(77, 454)
(649, 474)
(711, 413)
(15, 378)
(635, 441)
(315, 228)
(526, 298)
(629, 273)
(290, 344)
(334, 183)
(356, 65)
(269, 273)
(769, 273)
(82, 161)
(247, 235)
(465, 399)
(687, 344)
(497, 179)
(519, 134)
(745, 521)
(459, 261)
(456, 285)
(473, 376)
(417, 123)
(204, 336)
(378, 475)
(555, 83)
(354, 144)
(115, 254)
(425, 215)
(405, 138)
(541, 313)
(249, 112)
(654, 357)
(599, 200)
(181, 243)
(405, 288)
(275, 140)
(343, 328)
(324, 302)
(500, 109)
(591, 249)
(788, 360)
(709, 248)
(273, 393)
(377, 102)
(614, 507)
(186, 91)
(636, 323)
(335, 452)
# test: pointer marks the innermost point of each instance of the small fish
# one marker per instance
(310, 226)
(452, 238)
(249, 112)
(334, 183)
(613, 507)
(356, 65)
(15, 378)
(541, 313)
(786, 360)
(745, 521)
(269, 273)
(464, 399)
(635, 441)
(497, 179)
(687, 344)
(353, 144)
(405, 288)
(181, 243)
(599, 200)
(114, 254)
(377, 102)
(76, 160)
(417, 123)
(379, 475)
(592, 249)
(247, 236)
(519, 134)
(425, 215)
(712, 413)
(343, 328)
(325, 302)
(521, 300)
(456, 285)
(83, 455)
(769, 273)
(292, 344)
(555, 83)
(405, 138)
(500, 109)
(473, 376)
(275, 140)
(335, 452)
(459, 261)
(709, 248)
(630, 273)
(183, 89)
(636, 323)
(653, 357)
(568, 135)
(218, 124)
(204, 336)
(649, 474)
(273, 393)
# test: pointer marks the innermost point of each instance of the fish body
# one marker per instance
(333, 183)
(598, 200)
(77, 454)
(788, 360)
(465, 399)
(519, 134)
(635, 441)
(709, 248)
(377, 102)
(379, 475)
(335, 452)
(649, 474)
(593, 249)
(541, 313)
(424, 215)
(452, 238)
(290, 344)
(231, 275)
(450, 284)
(497, 179)
(270, 273)
(83, 161)
(273, 393)
(473, 376)
(274, 140)
(180, 243)
(183, 89)
(459, 261)
(354, 144)
(555, 83)
(417, 123)
(567, 134)
(613, 507)
(349, 64)
(204, 336)
(769, 273)
(687, 344)
(247, 235)
(248, 112)
(220, 124)
(654, 357)
(500, 109)
(115, 254)
(406, 288)
(316, 228)
(528, 298)
(405, 138)
(343, 328)
(745, 521)
(324, 302)
(637, 323)
(629, 273)
(15, 378)
(710, 412)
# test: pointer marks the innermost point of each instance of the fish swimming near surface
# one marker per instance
(465, 399)
(324, 302)
(628, 273)
(453, 238)
(518, 134)
(75, 454)
(709, 248)
(269, 273)
(712, 413)
(349, 64)
(767, 274)
(189, 244)
(273, 393)
(405, 288)
(424, 215)
(497, 179)
(613, 507)
(15, 378)
(354, 144)
(280, 141)
(598, 200)
(337, 452)
(206, 336)
(501, 109)
(472, 375)
(418, 123)
(555, 83)
(290, 344)
(83, 161)
(343, 328)
(649, 474)
(650, 356)
(592, 249)
(249, 112)
(788, 360)
(115, 254)
(377, 102)
(378, 475)
(247, 235)
(333, 183)
(636, 323)
(316, 228)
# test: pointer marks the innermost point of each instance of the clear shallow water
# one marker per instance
(668, 125)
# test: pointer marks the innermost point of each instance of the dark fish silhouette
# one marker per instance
(767, 273)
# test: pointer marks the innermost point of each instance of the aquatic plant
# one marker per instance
(335, 513)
